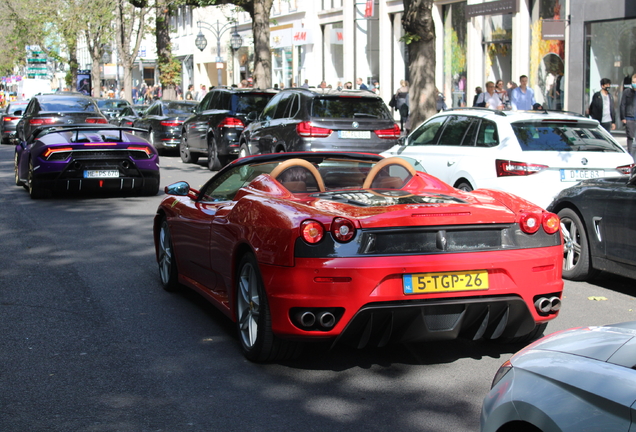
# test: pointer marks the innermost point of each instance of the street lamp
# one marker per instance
(201, 42)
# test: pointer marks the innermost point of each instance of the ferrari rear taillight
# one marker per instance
(172, 123)
(551, 223)
(96, 120)
(393, 133)
(530, 222)
(342, 229)
(305, 129)
(512, 168)
(625, 169)
(231, 122)
(312, 231)
(42, 121)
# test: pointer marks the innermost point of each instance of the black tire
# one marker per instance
(150, 188)
(214, 163)
(168, 272)
(465, 186)
(527, 338)
(253, 319)
(243, 151)
(18, 182)
(576, 251)
(184, 151)
(33, 185)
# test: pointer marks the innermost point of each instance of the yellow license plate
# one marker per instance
(445, 282)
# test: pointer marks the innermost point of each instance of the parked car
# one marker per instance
(86, 158)
(128, 115)
(534, 154)
(163, 122)
(214, 129)
(62, 108)
(357, 249)
(301, 119)
(10, 120)
(111, 107)
(597, 218)
(582, 379)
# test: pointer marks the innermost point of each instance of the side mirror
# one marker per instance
(180, 189)
(251, 116)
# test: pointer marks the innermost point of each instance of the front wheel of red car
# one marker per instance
(167, 262)
(253, 317)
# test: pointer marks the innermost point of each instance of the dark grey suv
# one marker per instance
(301, 119)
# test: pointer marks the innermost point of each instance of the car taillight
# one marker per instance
(312, 231)
(42, 121)
(305, 129)
(141, 148)
(232, 122)
(172, 123)
(392, 133)
(551, 223)
(96, 120)
(625, 169)
(512, 168)
(530, 222)
(128, 123)
(8, 119)
(49, 151)
(343, 229)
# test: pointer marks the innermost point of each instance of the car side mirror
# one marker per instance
(251, 116)
(179, 188)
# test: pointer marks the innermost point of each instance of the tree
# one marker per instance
(98, 33)
(130, 23)
(420, 39)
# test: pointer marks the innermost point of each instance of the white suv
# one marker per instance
(532, 154)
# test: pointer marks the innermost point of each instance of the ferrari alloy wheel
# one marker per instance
(576, 252)
(214, 164)
(184, 151)
(33, 186)
(18, 182)
(167, 263)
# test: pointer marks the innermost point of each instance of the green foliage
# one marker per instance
(169, 70)
(409, 38)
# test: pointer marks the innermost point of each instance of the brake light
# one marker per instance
(141, 148)
(312, 231)
(42, 121)
(96, 120)
(7, 119)
(171, 123)
(512, 168)
(49, 151)
(232, 122)
(625, 169)
(343, 229)
(305, 129)
(551, 223)
(392, 133)
(128, 123)
(530, 222)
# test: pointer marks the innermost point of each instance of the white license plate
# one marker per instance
(574, 175)
(355, 134)
(101, 173)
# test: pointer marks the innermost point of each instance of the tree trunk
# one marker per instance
(262, 53)
(164, 50)
(420, 30)
(96, 82)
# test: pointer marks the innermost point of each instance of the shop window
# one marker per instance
(455, 65)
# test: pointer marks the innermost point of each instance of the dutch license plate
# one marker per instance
(355, 134)
(101, 173)
(445, 282)
(573, 175)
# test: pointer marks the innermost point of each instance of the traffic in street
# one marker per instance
(91, 341)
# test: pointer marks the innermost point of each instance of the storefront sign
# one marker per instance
(500, 7)
(302, 37)
(553, 30)
(281, 36)
(368, 9)
(337, 36)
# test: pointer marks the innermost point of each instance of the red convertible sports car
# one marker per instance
(354, 248)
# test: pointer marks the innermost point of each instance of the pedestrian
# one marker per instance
(190, 93)
(478, 91)
(361, 85)
(628, 114)
(522, 96)
(323, 84)
(490, 98)
(376, 87)
(202, 93)
(503, 94)
(441, 100)
(402, 103)
(348, 85)
(305, 84)
(281, 86)
(511, 86)
(602, 106)
(339, 86)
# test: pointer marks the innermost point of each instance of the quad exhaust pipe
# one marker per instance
(545, 305)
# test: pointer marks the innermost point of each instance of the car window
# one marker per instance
(293, 106)
(562, 136)
(174, 108)
(68, 104)
(225, 186)
(245, 103)
(281, 109)
(487, 136)
(15, 107)
(426, 134)
(349, 107)
(454, 130)
(270, 108)
(153, 110)
(207, 103)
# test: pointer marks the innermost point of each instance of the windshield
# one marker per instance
(112, 104)
(68, 104)
(563, 136)
(246, 103)
(179, 108)
(349, 107)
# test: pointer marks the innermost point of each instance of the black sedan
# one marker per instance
(111, 107)
(597, 218)
(163, 121)
(57, 109)
(10, 120)
(128, 115)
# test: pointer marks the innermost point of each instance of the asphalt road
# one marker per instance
(89, 341)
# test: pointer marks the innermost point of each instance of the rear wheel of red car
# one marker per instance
(18, 182)
(576, 251)
(33, 185)
(184, 151)
(214, 163)
(167, 262)
(253, 317)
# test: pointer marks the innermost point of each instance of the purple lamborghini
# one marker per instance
(86, 158)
